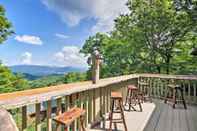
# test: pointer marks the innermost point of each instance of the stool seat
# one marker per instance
(132, 87)
(116, 95)
(68, 117)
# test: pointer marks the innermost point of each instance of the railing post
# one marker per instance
(38, 121)
(24, 118)
(49, 121)
(58, 112)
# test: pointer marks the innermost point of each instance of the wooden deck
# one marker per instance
(135, 120)
(165, 118)
(158, 116)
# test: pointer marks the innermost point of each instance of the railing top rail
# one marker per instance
(182, 77)
(32, 96)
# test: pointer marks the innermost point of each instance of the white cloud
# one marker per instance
(103, 11)
(70, 56)
(62, 36)
(29, 39)
(26, 58)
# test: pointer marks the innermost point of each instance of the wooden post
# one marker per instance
(195, 95)
(87, 106)
(58, 112)
(24, 118)
(95, 68)
(38, 121)
(49, 121)
(67, 107)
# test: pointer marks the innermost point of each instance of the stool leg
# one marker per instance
(182, 97)
(82, 123)
(126, 101)
(65, 128)
(111, 116)
(174, 97)
(167, 95)
(130, 99)
(122, 114)
(139, 103)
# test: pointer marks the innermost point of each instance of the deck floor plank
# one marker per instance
(165, 118)
(192, 118)
(155, 117)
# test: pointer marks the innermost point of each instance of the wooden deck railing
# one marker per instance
(94, 98)
(158, 85)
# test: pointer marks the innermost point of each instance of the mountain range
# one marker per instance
(39, 71)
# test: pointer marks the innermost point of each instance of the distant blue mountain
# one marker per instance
(38, 70)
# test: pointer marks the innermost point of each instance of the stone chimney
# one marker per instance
(96, 60)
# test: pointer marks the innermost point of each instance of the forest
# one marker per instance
(156, 36)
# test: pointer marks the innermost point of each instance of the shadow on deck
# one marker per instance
(165, 118)
(157, 116)
(135, 120)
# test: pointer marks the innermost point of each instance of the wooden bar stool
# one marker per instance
(144, 86)
(134, 95)
(116, 99)
(172, 95)
(70, 116)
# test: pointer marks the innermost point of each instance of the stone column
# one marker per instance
(95, 68)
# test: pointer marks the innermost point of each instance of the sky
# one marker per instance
(51, 32)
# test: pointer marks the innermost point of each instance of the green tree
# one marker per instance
(75, 77)
(10, 82)
(153, 37)
(160, 27)
(5, 26)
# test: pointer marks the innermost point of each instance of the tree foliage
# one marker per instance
(153, 37)
(10, 82)
(75, 77)
(5, 26)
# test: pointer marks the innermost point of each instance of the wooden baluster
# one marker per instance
(155, 91)
(107, 99)
(86, 108)
(76, 98)
(104, 101)
(49, 120)
(101, 102)
(67, 107)
(94, 105)
(161, 88)
(195, 95)
(184, 91)
(38, 120)
(157, 87)
(151, 88)
(189, 91)
(82, 100)
(165, 87)
(24, 118)
(67, 103)
(192, 91)
(58, 112)
(90, 106)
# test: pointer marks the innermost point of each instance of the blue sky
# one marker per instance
(51, 32)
